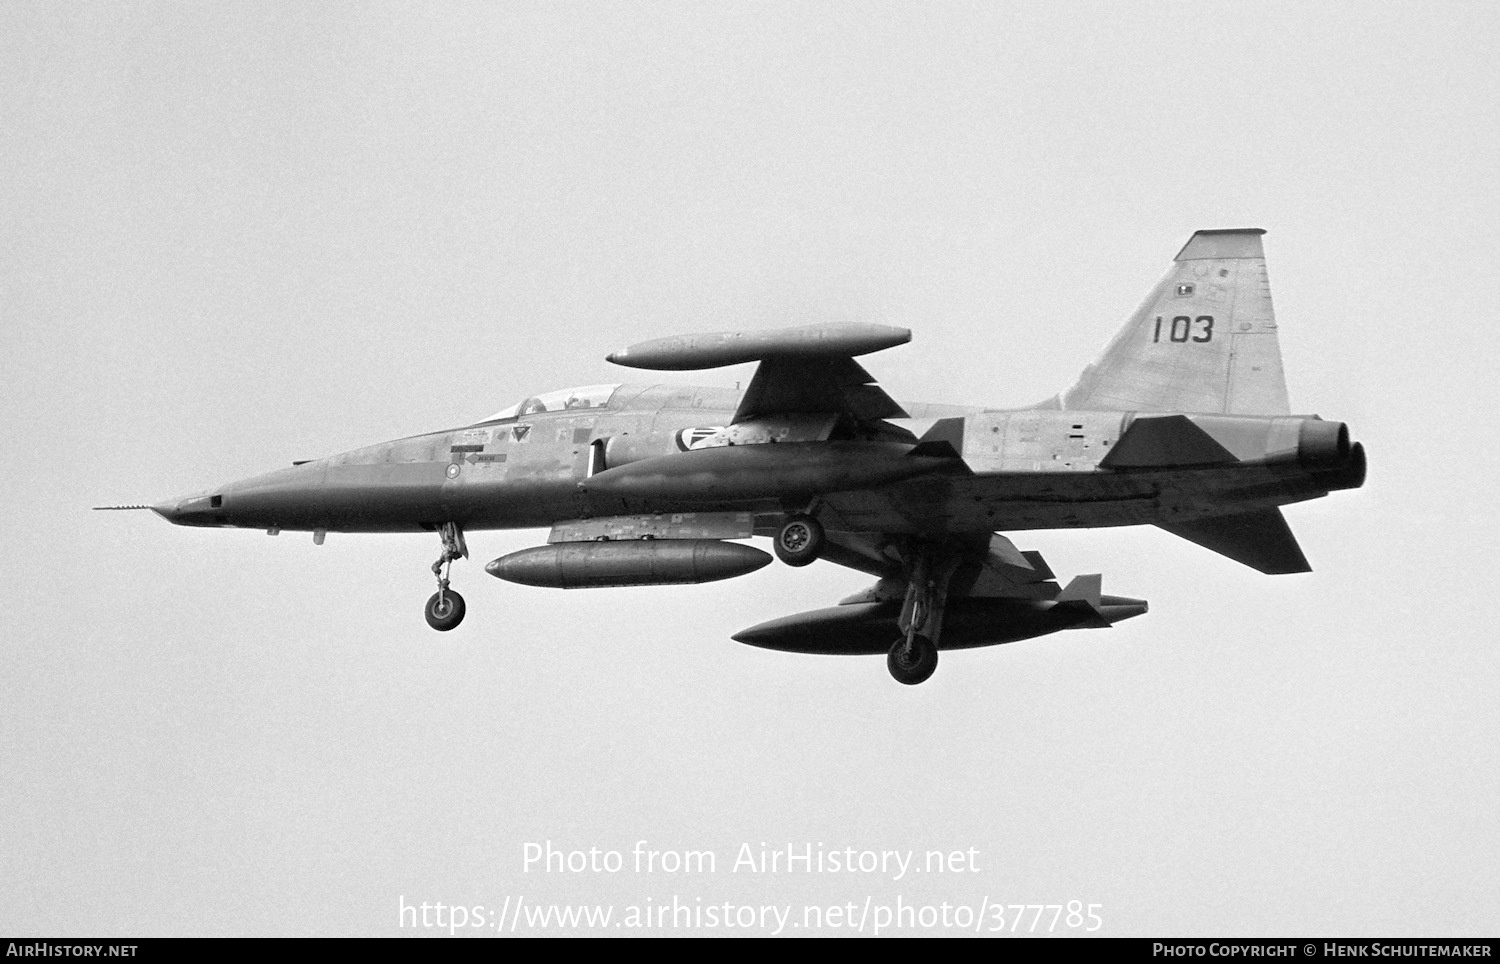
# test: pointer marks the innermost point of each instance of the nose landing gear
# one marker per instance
(445, 609)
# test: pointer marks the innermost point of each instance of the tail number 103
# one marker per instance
(1183, 328)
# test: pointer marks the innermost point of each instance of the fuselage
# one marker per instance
(531, 466)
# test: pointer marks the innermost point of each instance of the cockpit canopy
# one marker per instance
(568, 399)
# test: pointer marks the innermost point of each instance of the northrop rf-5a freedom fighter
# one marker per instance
(1182, 423)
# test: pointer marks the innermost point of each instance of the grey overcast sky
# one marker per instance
(232, 235)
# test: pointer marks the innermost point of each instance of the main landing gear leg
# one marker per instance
(914, 656)
(446, 608)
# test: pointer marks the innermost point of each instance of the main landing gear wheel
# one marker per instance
(800, 540)
(914, 663)
(445, 610)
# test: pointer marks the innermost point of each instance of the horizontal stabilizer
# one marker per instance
(1261, 540)
(1172, 440)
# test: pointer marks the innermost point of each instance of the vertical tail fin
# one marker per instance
(1204, 340)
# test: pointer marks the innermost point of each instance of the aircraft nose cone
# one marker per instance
(193, 510)
(167, 510)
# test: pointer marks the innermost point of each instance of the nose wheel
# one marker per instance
(445, 609)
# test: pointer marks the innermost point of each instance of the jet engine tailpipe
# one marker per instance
(1321, 443)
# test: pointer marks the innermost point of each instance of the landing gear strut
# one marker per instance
(446, 608)
(914, 656)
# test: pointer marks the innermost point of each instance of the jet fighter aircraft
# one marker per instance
(1182, 423)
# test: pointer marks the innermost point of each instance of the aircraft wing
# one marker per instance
(808, 370)
(989, 564)
(815, 386)
(861, 551)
